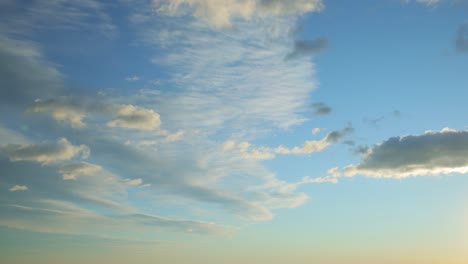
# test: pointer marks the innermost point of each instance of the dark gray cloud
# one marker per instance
(461, 41)
(320, 108)
(337, 135)
(432, 153)
(303, 48)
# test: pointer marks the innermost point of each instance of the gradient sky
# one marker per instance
(234, 131)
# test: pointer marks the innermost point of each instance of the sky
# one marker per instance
(234, 131)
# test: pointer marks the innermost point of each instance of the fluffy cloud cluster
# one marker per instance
(134, 117)
(432, 153)
(221, 13)
(62, 109)
(46, 152)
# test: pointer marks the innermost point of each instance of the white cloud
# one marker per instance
(134, 117)
(229, 145)
(17, 188)
(432, 153)
(72, 171)
(207, 96)
(62, 109)
(258, 154)
(311, 146)
(133, 182)
(46, 152)
(316, 130)
(222, 13)
(175, 136)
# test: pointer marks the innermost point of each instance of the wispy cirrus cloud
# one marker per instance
(222, 14)
(19, 17)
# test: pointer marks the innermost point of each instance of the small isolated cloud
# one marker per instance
(133, 182)
(46, 152)
(432, 153)
(221, 13)
(175, 136)
(134, 117)
(305, 48)
(312, 146)
(133, 78)
(321, 109)
(316, 130)
(73, 170)
(461, 42)
(17, 188)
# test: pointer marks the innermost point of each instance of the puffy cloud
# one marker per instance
(18, 188)
(304, 48)
(321, 108)
(63, 109)
(461, 41)
(71, 171)
(134, 117)
(432, 153)
(221, 13)
(46, 152)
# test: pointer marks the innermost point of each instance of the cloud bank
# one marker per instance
(432, 153)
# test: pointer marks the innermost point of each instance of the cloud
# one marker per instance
(321, 109)
(18, 188)
(132, 78)
(316, 130)
(461, 41)
(312, 146)
(133, 182)
(305, 48)
(134, 117)
(72, 171)
(26, 17)
(222, 13)
(24, 73)
(59, 217)
(46, 152)
(432, 153)
(63, 109)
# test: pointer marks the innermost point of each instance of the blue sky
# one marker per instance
(253, 131)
